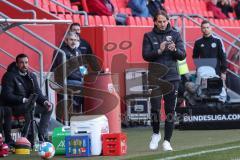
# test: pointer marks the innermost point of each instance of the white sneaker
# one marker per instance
(167, 146)
(154, 141)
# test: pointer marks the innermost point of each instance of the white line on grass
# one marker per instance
(198, 153)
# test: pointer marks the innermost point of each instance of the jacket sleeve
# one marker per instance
(41, 98)
(96, 6)
(180, 53)
(58, 61)
(89, 49)
(195, 51)
(222, 56)
(8, 87)
(148, 52)
(137, 6)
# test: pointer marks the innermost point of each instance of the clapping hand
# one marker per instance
(171, 46)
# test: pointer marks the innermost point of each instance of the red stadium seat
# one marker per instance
(114, 2)
(189, 23)
(172, 5)
(112, 20)
(195, 5)
(138, 21)
(84, 5)
(222, 22)
(125, 11)
(52, 7)
(46, 2)
(144, 21)
(122, 3)
(61, 16)
(131, 21)
(231, 22)
(166, 5)
(76, 18)
(105, 20)
(128, 11)
(45, 7)
(202, 5)
(188, 5)
(227, 23)
(59, 8)
(98, 21)
(237, 23)
(82, 18)
(68, 16)
(30, 1)
(150, 21)
(91, 21)
(67, 3)
(74, 7)
(122, 10)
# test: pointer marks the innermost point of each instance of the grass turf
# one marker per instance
(183, 142)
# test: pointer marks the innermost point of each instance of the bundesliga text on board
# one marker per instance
(218, 117)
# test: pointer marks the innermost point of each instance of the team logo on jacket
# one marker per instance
(202, 45)
(169, 38)
(214, 45)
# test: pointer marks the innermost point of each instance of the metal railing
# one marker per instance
(73, 11)
(51, 46)
(20, 9)
(12, 57)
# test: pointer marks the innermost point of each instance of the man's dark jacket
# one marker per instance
(85, 57)
(15, 87)
(211, 47)
(151, 44)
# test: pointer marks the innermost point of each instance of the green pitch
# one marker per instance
(188, 145)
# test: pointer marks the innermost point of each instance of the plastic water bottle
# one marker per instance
(36, 146)
(83, 70)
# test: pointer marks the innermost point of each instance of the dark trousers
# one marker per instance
(6, 116)
(169, 106)
(44, 117)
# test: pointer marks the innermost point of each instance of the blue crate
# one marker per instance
(78, 146)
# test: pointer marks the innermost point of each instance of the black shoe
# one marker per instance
(10, 143)
(43, 139)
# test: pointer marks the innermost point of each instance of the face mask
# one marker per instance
(77, 44)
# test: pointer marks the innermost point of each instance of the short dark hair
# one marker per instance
(21, 55)
(204, 22)
(74, 24)
(162, 13)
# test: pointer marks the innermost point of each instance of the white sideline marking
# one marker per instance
(198, 153)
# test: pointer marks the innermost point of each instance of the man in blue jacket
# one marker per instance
(163, 45)
(139, 8)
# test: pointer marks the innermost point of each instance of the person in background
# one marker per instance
(210, 46)
(106, 8)
(237, 9)
(74, 76)
(83, 46)
(163, 45)
(225, 6)
(139, 8)
(154, 6)
(217, 13)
